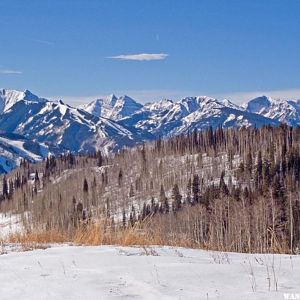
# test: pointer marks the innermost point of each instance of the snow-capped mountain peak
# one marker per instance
(8, 98)
(259, 104)
(159, 105)
(228, 103)
(286, 111)
(112, 98)
(111, 122)
(124, 106)
(204, 102)
(112, 107)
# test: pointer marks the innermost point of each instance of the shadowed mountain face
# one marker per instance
(113, 122)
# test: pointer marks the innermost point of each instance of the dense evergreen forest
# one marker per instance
(224, 189)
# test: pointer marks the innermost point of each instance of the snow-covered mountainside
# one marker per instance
(60, 125)
(112, 107)
(114, 122)
(277, 109)
(109, 272)
(8, 98)
(14, 147)
(167, 118)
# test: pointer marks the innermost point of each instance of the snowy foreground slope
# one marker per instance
(109, 272)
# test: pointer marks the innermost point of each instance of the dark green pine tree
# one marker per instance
(259, 171)
(120, 177)
(162, 195)
(99, 158)
(36, 177)
(5, 188)
(144, 211)
(222, 186)
(153, 206)
(85, 186)
(196, 189)
(166, 206)
(176, 197)
(249, 163)
(131, 192)
(188, 198)
(124, 218)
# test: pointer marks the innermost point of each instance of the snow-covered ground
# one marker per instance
(110, 272)
(10, 223)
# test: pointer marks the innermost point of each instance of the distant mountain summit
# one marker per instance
(166, 117)
(112, 107)
(60, 125)
(8, 98)
(112, 122)
(285, 111)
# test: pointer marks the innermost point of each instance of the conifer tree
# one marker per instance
(124, 218)
(131, 192)
(189, 192)
(259, 170)
(166, 206)
(99, 158)
(162, 195)
(222, 186)
(120, 177)
(176, 197)
(196, 189)
(5, 188)
(85, 186)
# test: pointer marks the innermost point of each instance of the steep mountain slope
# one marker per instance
(214, 113)
(113, 122)
(167, 118)
(112, 107)
(277, 109)
(10, 97)
(14, 147)
(68, 128)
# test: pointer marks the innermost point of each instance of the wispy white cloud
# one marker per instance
(45, 42)
(141, 56)
(10, 72)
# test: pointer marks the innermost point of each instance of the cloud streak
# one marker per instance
(10, 72)
(141, 56)
(45, 42)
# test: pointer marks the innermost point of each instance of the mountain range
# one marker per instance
(32, 127)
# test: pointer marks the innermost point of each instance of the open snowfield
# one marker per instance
(10, 223)
(110, 272)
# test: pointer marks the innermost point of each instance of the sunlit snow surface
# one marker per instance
(109, 272)
(9, 224)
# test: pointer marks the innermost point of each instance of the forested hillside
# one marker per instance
(224, 189)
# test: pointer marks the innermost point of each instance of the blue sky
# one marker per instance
(78, 50)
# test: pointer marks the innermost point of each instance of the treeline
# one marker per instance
(224, 189)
